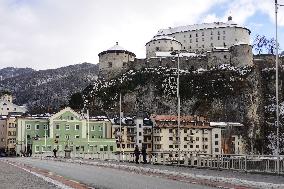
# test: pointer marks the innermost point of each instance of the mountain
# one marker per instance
(48, 90)
(10, 72)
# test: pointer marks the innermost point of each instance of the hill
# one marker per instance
(48, 90)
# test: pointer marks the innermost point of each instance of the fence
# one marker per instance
(246, 163)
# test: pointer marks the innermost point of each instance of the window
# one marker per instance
(216, 136)
(211, 38)
(196, 34)
(170, 146)
(218, 37)
(157, 48)
(170, 130)
(190, 40)
(202, 33)
(77, 127)
(224, 37)
(67, 136)
(185, 146)
(139, 125)
(140, 133)
(190, 146)
(72, 118)
(211, 32)
(37, 148)
(57, 136)
(185, 138)
(57, 127)
(110, 148)
(190, 35)
(216, 149)
(93, 128)
(176, 146)
(45, 127)
(140, 141)
(206, 146)
(185, 130)
(105, 148)
(218, 32)
(197, 138)
(196, 39)
(216, 142)
(172, 48)
(224, 32)
(110, 64)
(202, 39)
(77, 136)
(170, 138)
(28, 127)
(197, 146)
(211, 44)
(67, 127)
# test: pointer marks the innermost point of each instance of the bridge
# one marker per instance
(163, 170)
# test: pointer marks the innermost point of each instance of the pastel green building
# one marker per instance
(64, 130)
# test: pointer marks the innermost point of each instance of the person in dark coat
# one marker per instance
(54, 152)
(136, 153)
(144, 154)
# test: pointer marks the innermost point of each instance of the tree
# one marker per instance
(76, 101)
(263, 44)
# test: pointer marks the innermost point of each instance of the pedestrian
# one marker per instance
(136, 153)
(144, 154)
(54, 152)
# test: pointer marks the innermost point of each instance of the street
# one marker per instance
(106, 178)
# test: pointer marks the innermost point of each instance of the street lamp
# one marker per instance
(178, 96)
(276, 87)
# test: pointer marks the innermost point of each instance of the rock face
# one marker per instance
(47, 90)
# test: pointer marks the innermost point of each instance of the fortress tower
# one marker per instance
(114, 60)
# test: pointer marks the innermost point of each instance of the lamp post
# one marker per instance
(277, 86)
(178, 96)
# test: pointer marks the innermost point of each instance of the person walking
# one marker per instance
(54, 152)
(144, 154)
(136, 153)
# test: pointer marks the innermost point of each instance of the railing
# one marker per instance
(246, 163)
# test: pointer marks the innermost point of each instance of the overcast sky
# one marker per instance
(44, 34)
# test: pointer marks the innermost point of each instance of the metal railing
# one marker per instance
(245, 163)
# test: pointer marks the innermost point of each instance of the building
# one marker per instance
(134, 131)
(113, 60)
(7, 106)
(198, 38)
(196, 135)
(11, 130)
(64, 130)
(232, 140)
(3, 131)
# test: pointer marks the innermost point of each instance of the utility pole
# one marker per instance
(277, 87)
(120, 132)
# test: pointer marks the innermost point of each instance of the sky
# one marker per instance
(47, 34)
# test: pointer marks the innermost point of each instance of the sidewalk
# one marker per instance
(224, 178)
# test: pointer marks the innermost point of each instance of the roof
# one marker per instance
(194, 27)
(175, 118)
(162, 125)
(168, 54)
(156, 38)
(225, 124)
(116, 49)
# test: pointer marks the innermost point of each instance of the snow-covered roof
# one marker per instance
(168, 54)
(194, 27)
(116, 49)
(225, 124)
(241, 43)
(156, 38)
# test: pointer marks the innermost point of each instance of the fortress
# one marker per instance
(198, 46)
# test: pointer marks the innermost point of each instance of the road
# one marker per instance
(15, 178)
(106, 178)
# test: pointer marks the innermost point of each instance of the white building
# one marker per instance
(7, 106)
(199, 37)
(196, 135)
(232, 140)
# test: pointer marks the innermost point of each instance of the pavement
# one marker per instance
(108, 175)
(12, 177)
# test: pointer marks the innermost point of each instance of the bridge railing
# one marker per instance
(247, 163)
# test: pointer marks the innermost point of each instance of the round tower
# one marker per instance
(115, 59)
(241, 55)
(161, 44)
